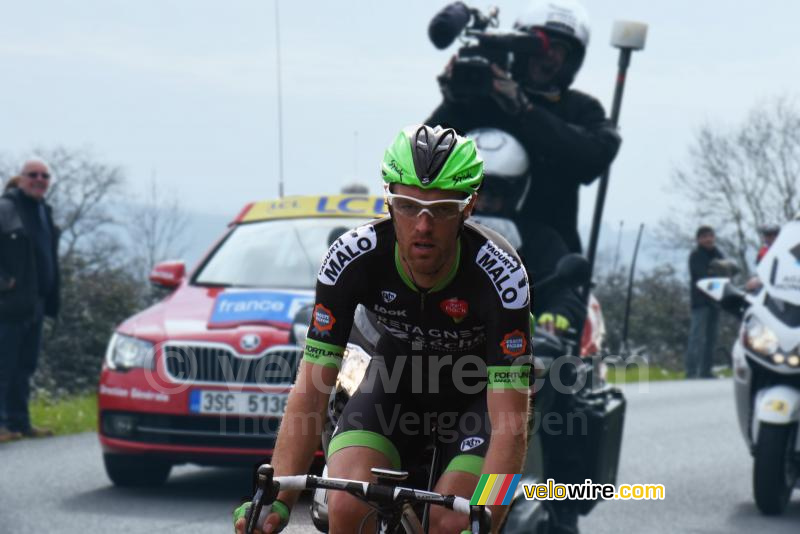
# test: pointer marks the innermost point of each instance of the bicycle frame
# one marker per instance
(388, 500)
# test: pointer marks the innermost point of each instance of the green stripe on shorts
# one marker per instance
(365, 438)
(509, 377)
(325, 354)
(468, 463)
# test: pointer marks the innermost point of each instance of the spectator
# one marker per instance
(768, 234)
(29, 291)
(705, 314)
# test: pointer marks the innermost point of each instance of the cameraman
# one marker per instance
(566, 133)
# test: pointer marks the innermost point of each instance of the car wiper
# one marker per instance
(212, 284)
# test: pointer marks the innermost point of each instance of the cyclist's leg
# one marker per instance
(345, 512)
(370, 433)
(463, 442)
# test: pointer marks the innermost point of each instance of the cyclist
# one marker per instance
(453, 302)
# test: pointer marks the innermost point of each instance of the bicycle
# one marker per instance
(391, 503)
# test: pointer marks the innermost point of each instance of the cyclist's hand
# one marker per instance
(274, 522)
(553, 323)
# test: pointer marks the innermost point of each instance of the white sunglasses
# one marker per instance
(411, 207)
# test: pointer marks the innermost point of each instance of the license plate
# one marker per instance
(238, 403)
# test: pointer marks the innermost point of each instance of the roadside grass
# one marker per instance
(69, 415)
(652, 373)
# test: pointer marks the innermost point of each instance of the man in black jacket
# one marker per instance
(29, 291)
(705, 314)
(566, 133)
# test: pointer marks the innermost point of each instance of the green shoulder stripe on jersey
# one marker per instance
(365, 438)
(398, 263)
(325, 354)
(468, 463)
(509, 377)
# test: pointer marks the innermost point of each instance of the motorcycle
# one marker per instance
(766, 367)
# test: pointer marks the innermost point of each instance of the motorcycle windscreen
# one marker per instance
(779, 270)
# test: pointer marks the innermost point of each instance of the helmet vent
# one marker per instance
(432, 147)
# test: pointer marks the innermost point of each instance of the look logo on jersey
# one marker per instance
(322, 320)
(514, 343)
(455, 308)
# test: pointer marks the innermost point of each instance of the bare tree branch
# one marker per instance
(739, 179)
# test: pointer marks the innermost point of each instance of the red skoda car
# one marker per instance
(203, 376)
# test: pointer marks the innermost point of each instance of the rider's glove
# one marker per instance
(554, 323)
(507, 93)
(278, 507)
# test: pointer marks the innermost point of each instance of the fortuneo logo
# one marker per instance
(317, 352)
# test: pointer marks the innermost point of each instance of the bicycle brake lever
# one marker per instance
(265, 492)
(480, 519)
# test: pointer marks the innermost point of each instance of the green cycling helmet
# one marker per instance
(433, 158)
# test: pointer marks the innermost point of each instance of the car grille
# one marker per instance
(220, 365)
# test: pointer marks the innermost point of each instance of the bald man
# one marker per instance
(29, 291)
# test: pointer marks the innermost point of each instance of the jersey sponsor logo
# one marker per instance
(344, 250)
(514, 343)
(315, 353)
(394, 313)
(506, 273)
(517, 376)
(471, 443)
(434, 338)
(322, 320)
(455, 308)
(388, 296)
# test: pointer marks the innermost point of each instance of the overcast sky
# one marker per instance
(187, 88)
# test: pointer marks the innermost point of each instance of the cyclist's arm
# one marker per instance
(301, 428)
(337, 295)
(508, 414)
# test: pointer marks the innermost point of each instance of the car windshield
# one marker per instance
(280, 254)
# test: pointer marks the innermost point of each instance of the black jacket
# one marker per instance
(699, 261)
(570, 142)
(18, 261)
(540, 255)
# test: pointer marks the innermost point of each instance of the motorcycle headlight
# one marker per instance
(760, 338)
(354, 367)
(126, 352)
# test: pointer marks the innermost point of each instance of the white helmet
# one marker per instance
(560, 19)
(566, 17)
(506, 171)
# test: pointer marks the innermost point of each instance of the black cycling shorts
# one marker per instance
(397, 421)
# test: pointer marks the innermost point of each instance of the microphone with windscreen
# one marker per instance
(448, 24)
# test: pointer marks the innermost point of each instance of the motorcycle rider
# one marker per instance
(506, 185)
(566, 133)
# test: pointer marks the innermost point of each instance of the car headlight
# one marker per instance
(126, 352)
(354, 367)
(760, 338)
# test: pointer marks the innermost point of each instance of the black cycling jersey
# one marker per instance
(480, 310)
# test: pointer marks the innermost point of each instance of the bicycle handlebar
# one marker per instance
(269, 486)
